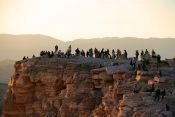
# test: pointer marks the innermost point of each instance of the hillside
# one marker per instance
(17, 46)
(6, 70)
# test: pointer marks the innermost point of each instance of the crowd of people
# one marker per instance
(103, 54)
(96, 53)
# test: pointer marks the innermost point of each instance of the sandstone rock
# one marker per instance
(71, 87)
(167, 114)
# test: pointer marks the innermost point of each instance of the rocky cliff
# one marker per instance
(66, 87)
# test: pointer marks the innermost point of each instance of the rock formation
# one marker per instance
(65, 87)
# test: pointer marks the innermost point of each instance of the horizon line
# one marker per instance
(68, 40)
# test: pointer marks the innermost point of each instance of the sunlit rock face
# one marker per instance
(65, 87)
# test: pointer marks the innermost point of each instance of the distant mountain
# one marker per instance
(163, 46)
(6, 70)
(17, 46)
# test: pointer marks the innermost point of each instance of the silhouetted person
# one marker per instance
(33, 56)
(107, 53)
(77, 52)
(158, 61)
(153, 54)
(158, 58)
(125, 54)
(24, 58)
(167, 107)
(137, 54)
(87, 54)
(52, 53)
(157, 95)
(96, 52)
(139, 67)
(152, 88)
(113, 54)
(118, 53)
(142, 54)
(163, 93)
(91, 52)
(56, 48)
(136, 89)
(68, 53)
(82, 53)
(146, 52)
(102, 53)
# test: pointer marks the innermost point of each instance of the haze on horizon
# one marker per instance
(73, 19)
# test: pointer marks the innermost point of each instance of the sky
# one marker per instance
(75, 19)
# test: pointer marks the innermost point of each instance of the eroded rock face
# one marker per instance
(58, 87)
(50, 88)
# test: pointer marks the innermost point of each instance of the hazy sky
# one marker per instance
(71, 19)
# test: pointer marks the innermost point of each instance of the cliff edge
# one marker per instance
(85, 87)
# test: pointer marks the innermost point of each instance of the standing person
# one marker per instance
(163, 93)
(137, 54)
(96, 52)
(153, 54)
(87, 54)
(113, 54)
(91, 52)
(56, 50)
(157, 95)
(77, 52)
(82, 53)
(68, 53)
(118, 53)
(107, 53)
(102, 53)
(125, 54)
(146, 52)
(142, 54)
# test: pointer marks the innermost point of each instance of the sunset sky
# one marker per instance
(72, 19)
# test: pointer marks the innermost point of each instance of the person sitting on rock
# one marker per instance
(24, 58)
(157, 95)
